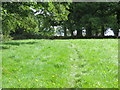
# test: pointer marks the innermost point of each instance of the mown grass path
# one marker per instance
(85, 63)
(74, 58)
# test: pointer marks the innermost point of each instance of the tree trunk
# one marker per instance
(89, 31)
(79, 33)
(116, 33)
(39, 25)
(118, 17)
(71, 32)
(65, 31)
(96, 33)
(102, 30)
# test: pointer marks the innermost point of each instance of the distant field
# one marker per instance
(83, 63)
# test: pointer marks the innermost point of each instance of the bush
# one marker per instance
(5, 37)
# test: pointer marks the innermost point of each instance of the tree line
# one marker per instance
(38, 19)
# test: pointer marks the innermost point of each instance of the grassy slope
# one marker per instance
(60, 63)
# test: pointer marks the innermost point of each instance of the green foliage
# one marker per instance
(5, 38)
(17, 17)
(95, 17)
(60, 63)
(58, 11)
(92, 16)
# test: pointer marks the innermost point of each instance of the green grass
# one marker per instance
(85, 63)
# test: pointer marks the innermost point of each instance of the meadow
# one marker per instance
(81, 63)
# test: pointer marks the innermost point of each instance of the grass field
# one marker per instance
(84, 63)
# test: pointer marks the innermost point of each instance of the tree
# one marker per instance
(48, 14)
(17, 15)
(53, 14)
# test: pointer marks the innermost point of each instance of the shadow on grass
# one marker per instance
(3, 47)
(18, 43)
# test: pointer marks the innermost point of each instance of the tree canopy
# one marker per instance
(39, 19)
